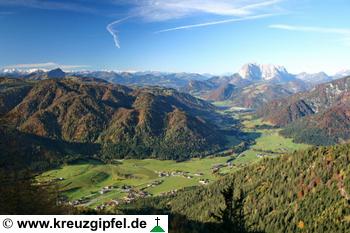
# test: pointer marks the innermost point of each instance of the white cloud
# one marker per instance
(160, 10)
(47, 65)
(164, 10)
(345, 32)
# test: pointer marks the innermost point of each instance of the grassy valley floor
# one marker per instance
(92, 184)
(268, 142)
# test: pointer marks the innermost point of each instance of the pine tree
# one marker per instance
(232, 216)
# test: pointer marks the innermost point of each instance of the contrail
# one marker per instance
(345, 31)
(113, 32)
(217, 22)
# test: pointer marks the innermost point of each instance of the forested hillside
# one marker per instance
(284, 111)
(308, 191)
(319, 117)
(326, 128)
(126, 122)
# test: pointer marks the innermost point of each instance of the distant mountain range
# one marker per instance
(33, 74)
(251, 72)
(171, 80)
(341, 74)
(317, 78)
(253, 85)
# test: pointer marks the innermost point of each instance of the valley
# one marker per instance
(102, 186)
(98, 147)
(175, 116)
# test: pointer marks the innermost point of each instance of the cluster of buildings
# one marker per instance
(80, 201)
(187, 175)
(111, 203)
(133, 194)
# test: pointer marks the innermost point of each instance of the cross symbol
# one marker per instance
(157, 219)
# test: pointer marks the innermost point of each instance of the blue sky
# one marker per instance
(206, 36)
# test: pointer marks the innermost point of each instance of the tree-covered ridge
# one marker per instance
(308, 191)
(324, 96)
(12, 92)
(139, 123)
(318, 117)
(326, 128)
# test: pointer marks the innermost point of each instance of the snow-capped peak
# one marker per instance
(250, 71)
(20, 71)
(253, 71)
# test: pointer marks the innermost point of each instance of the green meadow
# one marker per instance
(268, 141)
(86, 178)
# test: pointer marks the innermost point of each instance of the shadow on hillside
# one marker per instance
(251, 136)
(87, 149)
(27, 151)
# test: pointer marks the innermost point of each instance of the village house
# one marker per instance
(155, 183)
(170, 193)
(126, 188)
(106, 189)
(112, 203)
(261, 155)
(163, 174)
(204, 181)
(198, 174)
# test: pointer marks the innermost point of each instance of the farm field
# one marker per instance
(86, 179)
(92, 184)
